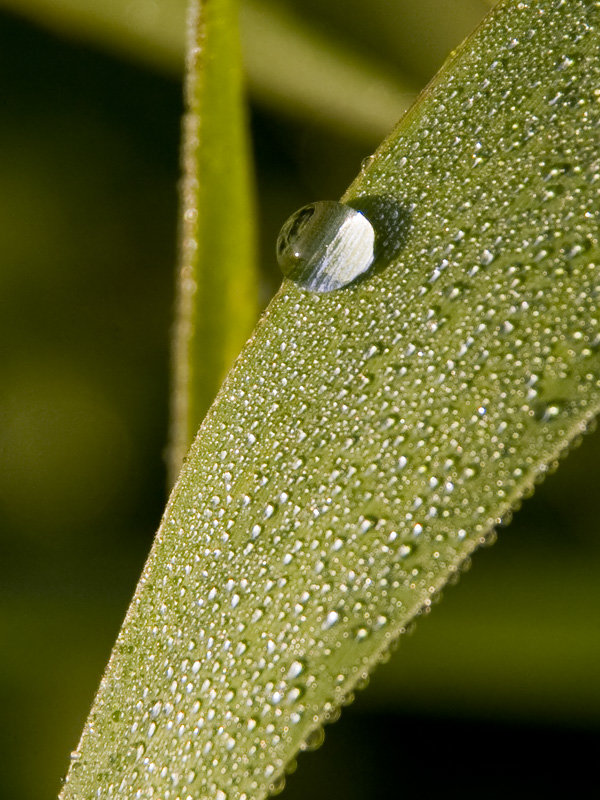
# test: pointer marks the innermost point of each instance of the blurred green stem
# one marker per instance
(293, 68)
(217, 283)
(290, 67)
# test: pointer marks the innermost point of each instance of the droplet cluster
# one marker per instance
(372, 437)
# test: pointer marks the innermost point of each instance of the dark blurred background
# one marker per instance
(496, 692)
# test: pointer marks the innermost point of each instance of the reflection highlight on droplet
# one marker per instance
(325, 246)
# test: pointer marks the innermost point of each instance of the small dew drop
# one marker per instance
(295, 669)
(314, 739)
(330, 620)
(277, 786)
(545, 412)
(191, 776)
(256, 531)
(366, 162)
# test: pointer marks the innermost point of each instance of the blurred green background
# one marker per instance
(498, 691)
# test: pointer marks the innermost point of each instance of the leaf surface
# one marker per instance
(369, 439)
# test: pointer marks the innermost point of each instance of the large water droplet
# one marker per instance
(325, 246)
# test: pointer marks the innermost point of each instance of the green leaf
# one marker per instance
(290, 66)
(217, 283)
(368, 440)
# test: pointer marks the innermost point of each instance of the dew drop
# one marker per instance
(295, 669)
(191, 776)
(366, 162)
(545, 412)
(314, 740)
(330, 620)
(325, 246)
(277, 786)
